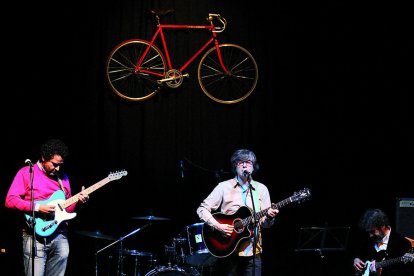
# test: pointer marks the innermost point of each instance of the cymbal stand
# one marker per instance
(120, 271)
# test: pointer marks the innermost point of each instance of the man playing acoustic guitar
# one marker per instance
(233, 234)
(52, 249)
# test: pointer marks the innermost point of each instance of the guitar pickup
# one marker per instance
(50, 225)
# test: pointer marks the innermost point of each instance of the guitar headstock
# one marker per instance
(117, 175)
(301, 195)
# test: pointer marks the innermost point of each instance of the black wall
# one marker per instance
(331, 112)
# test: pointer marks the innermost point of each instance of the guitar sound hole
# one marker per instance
(238, 226)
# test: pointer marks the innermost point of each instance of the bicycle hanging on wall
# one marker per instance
(137, 69)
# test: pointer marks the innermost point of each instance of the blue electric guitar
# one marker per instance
(46, 224)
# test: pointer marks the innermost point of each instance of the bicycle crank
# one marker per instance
(173, 78)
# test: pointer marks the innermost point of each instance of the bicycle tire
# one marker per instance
(233, 87)
(127, 83)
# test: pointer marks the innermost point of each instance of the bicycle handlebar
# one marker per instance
(222, 20)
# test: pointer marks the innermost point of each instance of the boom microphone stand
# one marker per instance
(120, 270)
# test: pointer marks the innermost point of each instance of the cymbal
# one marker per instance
(96, 235)
(151, 218)
(134, 252)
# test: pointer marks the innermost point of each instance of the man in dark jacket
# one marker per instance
(385, 252)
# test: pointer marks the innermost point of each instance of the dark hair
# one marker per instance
(373, 218)
(243, 155)
(52, 147)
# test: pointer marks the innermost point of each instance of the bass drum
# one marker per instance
(167, 271)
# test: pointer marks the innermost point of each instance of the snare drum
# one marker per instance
(198, 254)
(167, 270)
(134, 262)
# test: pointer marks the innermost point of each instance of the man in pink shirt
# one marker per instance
(49, 188)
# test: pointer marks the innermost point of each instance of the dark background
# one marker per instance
(331, 112)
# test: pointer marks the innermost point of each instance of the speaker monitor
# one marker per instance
(405, 217)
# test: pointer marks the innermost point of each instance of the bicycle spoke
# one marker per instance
(231, 87)
(128, 81)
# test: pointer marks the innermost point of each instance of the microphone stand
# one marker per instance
(255, 222)
(32, 220)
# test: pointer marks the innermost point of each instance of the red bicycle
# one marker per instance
(137, 69)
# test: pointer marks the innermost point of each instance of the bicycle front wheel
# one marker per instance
(129, 82)
(231, 87)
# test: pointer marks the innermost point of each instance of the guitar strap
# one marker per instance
(57, 177)
(60, 184)
(256, 195)
(244, 251)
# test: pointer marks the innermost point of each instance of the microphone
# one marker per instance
(28, 162)
(246, 173)
(182, 168)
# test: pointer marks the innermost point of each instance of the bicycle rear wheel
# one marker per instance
(235, 86)
(122, 77)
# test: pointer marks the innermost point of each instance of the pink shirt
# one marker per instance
(18, 196)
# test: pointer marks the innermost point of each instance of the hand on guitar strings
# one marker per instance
(226, 229)
(46, 208)
(360, 266)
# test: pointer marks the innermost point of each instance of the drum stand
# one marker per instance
(181, 254)
(177, 261)
(120, 269)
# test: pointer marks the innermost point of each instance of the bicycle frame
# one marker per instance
(136, 69)
(160, 33)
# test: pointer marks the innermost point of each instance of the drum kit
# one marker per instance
(186, 255)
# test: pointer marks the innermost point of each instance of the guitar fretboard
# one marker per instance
(303, 194)
(263, 212)
(393, 261)
(278, 205)
(87, 191)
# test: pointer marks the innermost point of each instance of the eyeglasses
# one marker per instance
(248, 163)
(56, 164)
